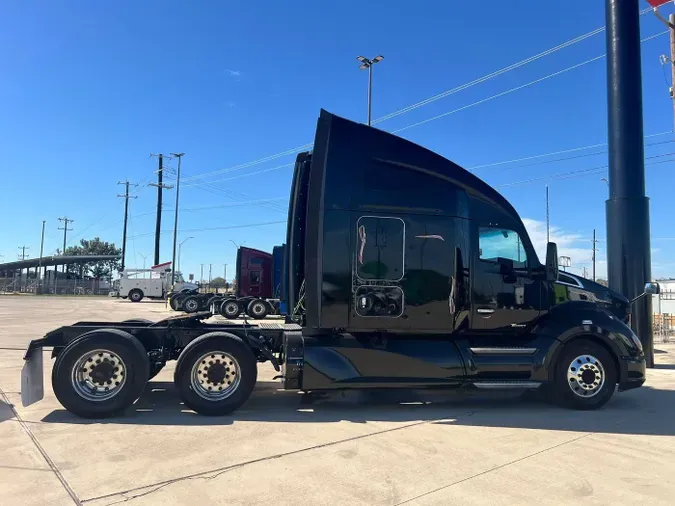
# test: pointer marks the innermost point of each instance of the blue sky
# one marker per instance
(91, 89)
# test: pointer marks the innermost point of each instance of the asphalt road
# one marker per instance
(284, 448)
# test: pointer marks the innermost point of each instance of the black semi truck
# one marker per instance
(403, 270)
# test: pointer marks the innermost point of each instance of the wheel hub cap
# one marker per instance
(98, 375)
(215, 376)
(586, 376)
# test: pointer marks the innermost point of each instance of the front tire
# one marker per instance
(585, 376)
(100, 373)
(215, 374)
(136, 295)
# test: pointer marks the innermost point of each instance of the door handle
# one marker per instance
(485, 310)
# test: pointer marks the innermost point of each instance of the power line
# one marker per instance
(575, 157)
(517, 88)
(218, 206)
(192, 230)
(416, 105)
(578, 173)
(428, 120)
(561, 152)
(243, 175)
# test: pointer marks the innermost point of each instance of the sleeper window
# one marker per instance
(380, 246)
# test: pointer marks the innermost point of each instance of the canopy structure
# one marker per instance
(32, 263)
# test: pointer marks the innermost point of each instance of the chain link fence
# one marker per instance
(23, 284)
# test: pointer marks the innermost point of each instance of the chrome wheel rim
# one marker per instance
(586, 376)
(191, 305)
(135, 296)
(231, 308)
(258, 309)
(99, 375)
(215, 376)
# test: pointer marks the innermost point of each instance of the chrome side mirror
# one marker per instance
(652, 288)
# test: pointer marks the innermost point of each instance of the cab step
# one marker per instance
(496, 385)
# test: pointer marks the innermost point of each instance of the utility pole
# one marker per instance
(628, 239)
(65, 229)
(160, 186)
(368, 64)
(42, 245)
(126, 198)
(23, 251)
(225, 272)
(210, 265)
(175, 220)
(671, 23)
(594, 250)
(201, 276)
(548, 225)
(585, 271)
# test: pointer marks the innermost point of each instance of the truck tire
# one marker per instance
(257, 309)
(585, 375)
(136, 295)
(211, 300)
(191, 304)
(101, 373)
(230, 309)
(215, 374)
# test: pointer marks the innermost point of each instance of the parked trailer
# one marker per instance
(403, 270)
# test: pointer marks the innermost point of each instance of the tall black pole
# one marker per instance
(158, 226)
(628, 240)
(126, 198)
(174, 266)
(594, 249)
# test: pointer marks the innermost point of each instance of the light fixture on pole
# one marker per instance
(179, 248)
(368, 64)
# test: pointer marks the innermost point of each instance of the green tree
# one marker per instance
(218, 283)
(95, 246)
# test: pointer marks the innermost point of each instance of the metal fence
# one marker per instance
(54, 286)
(663, 327)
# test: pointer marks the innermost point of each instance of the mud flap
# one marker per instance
(32, 379)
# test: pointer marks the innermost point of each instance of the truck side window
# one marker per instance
(254, 277)
(380, 248)
(495, 243)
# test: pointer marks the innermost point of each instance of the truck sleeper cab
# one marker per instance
(403, 270)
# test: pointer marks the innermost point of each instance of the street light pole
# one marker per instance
(368, 64)
(179, 248)
(175, 219)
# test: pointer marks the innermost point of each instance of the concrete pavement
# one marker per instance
(286, 448)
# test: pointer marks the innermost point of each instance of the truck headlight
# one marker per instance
(636, 341)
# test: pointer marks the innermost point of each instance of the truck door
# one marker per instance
(506, 297)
